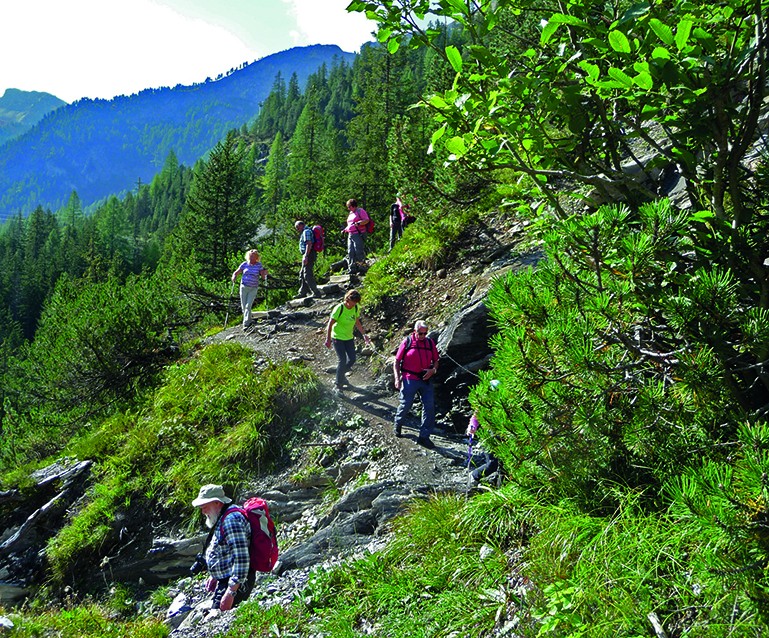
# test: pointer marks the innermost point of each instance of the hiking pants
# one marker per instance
(356, 250)
(247, 298)
(396, 232)
(345, 352)
(409, 390)
(307, 285)
(244, 591)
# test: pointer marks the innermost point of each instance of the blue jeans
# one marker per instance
(345, 352)
(409, 390)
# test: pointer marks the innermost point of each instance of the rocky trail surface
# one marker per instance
(357, 474)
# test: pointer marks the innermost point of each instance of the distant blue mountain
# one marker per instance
(21, 110)
(102, 147)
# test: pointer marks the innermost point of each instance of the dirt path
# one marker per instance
(298, 333)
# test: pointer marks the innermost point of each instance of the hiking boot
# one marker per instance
(398, 431)
(425, 442)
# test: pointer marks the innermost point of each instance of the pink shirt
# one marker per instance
(421, 355)
(356, 215)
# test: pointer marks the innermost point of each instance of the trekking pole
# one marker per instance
(469, 451)
(229, 303)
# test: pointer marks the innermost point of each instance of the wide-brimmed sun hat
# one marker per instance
(209, 494)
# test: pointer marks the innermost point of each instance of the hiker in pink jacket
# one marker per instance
(357, 222)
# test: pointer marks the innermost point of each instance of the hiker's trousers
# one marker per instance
(409, 390)
(247, 298)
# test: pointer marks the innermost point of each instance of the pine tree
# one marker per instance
(218, 221)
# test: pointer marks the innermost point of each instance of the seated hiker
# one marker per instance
(226, 550)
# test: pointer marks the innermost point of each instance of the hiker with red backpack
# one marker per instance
(357, 226)
(310, 244)
(415, 365)
(241, 542)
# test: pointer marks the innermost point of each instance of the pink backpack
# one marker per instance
(263, 549)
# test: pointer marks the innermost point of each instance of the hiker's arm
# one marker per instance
(430, 372)
(397, 374)
(331, 322)
(236, 273)
(359, 326)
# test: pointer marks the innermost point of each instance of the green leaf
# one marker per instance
(660, 53)
(592, 70)
(456, 145)
(454, 57)
(438, 134)
(393, 45)
(662, 31)
(619, 42)
(620, 76)
(437, 101)
(682, 33)
(548, 32)
(644, 81)
(562, 18)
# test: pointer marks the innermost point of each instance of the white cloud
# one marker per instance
(100, 48)
(327, 22)
(103, 48)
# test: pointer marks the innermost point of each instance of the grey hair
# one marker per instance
(299, 223)
(420, 324)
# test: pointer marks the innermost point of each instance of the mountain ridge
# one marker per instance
(101, 147)
(21, 110)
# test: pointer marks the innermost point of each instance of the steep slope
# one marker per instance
(21, 110)
(102, 147)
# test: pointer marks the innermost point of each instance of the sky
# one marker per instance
(103, 48)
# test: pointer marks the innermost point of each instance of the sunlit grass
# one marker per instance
(211, 414)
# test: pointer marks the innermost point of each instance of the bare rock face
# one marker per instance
(29, 522)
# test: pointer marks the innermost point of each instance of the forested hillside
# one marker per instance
(21, 110)
(628, 394)
(103, 147)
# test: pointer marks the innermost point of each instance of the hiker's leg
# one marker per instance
(341, 349)
(351, 356)
(428, 409)
(350, 252)
(309, 274)
(407, 394)
(247, 297)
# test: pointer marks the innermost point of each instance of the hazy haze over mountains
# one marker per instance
(21, 110)
(103, 147)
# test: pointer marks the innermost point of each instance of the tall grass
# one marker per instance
(213, 420)
(505, 562)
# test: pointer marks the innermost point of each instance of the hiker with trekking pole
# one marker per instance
(252, 272)
(226, 554)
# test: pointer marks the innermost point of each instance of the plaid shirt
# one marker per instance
(227, 554)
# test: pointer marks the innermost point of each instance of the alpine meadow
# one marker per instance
(626, 397)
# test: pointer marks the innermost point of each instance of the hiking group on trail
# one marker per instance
(241, 541)
(357, 226)
(309, 247)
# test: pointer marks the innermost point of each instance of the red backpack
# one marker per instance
(319, 238)
(263, 549)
